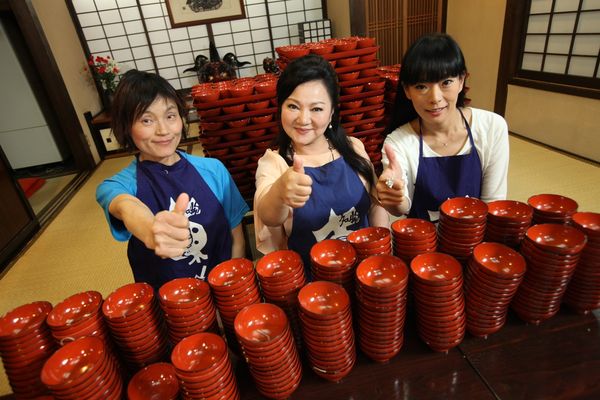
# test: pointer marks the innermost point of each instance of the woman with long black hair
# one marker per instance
(320, 183)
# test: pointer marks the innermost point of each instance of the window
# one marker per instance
(552, 45)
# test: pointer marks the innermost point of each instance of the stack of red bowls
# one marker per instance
(77, 316)
(552, 208)
(381, 291)
(83, 369)
(437, 287)
(136, 324)
(25, 345)
(371, 241)
(326, 318)
(583, 292)
(234, 286)
(188, 308)
(508, 221)
(202, 365)
(492, 278)
(552, 252)
(461, 226)
(156, 381)
(266, 341)
(413, 236)
(333, 260)
(281, 275)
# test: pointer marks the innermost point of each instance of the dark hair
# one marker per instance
(136, 91)
(431, 58)
(315, 68)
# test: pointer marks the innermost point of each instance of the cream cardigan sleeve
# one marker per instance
(269, 238)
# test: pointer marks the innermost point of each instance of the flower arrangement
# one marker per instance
(105, 71)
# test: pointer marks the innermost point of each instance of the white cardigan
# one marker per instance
(490, 135)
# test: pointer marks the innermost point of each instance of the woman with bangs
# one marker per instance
(181, 214)
(436, 147)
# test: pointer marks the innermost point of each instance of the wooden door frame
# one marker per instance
(52, 83)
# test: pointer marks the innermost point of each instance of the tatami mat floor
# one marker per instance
(76, 253)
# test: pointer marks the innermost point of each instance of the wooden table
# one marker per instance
(559, 359)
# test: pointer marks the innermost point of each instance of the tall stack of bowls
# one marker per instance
(461, 226)
(334, 260)
(327, 333)
(507, 222)
(202, 365)
(156, 381)
(281, 275)
(413, 236)
(492, 278)
(267, 344)
(381, 292)
(552, 252)
(552, 208)
(187, 307)
(78, 316)
(437, 287)
(25, 344)
(583, 292)
(83, 369)
(371, 241)
(136, 325)
(234, 286)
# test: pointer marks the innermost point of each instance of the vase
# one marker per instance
(107, 99)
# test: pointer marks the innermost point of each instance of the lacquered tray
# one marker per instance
(230, 101)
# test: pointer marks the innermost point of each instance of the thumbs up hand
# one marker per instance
(390, 186)
(295, 186)
(171, 229)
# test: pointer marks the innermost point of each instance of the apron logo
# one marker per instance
(197, 232)
(337, 225)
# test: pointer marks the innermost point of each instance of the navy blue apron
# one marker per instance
(441, 178)
(338, 205)
(158, 186)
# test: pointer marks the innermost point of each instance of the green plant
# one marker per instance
(105, 71)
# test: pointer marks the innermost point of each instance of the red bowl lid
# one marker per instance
(323, 298)
(198, 352)
(24, 318)
(413, 227)
(128, 300)
(382, 271)
(553, 203)
(155, 381)
(464, 208)
(262, 322)
(499, 259)
(75, 308)
(230, 272)
(557, 238)
(436, 267)
(368, 235)
(278, 263)
(588, 221)
(510, 209)
(184, 290)
(73, 362)
(334, 252)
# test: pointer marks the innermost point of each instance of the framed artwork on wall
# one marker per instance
(197, 12)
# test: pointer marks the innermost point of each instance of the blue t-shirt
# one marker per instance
(212, 171)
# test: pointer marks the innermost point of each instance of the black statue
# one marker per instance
(215, 69)
(270, 66)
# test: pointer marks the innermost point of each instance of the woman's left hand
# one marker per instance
(390, 187)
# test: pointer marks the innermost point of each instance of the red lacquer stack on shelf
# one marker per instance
(362, 90)
(237, 122)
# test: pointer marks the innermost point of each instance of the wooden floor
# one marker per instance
(76, 253)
